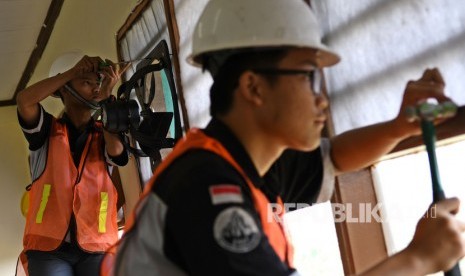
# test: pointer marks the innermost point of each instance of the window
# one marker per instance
(316, 249)
(148, 36)
(403, 187)
(151, 99)
(157, 93)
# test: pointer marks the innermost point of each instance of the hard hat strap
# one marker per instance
(75, 94)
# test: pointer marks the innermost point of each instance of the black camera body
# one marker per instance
(136, 119)
(118, 116)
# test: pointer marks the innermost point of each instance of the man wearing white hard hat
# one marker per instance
(206, 209)
(72, 215)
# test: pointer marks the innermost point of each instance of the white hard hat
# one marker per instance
(241, 24)
(64, 62)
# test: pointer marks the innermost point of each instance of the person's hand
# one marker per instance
(438, 241)
(85, 65)
(109, 75)
(430, 85)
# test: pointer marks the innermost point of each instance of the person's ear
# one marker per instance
(251, 87)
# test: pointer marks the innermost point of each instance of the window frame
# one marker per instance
(134, 172)
(173, 33)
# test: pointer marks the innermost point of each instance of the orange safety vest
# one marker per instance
(63, 190)
(196, 139)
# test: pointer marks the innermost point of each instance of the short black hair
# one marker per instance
(225, 81)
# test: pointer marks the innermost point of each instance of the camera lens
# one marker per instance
(118, 116)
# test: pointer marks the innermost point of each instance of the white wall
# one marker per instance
(383, 45)
(196, 85)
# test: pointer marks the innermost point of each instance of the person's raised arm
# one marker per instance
(358, 148)
(110, 76)
(29, 98)
(438, 244)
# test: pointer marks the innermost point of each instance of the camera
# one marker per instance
(137, 119)
(118, 116)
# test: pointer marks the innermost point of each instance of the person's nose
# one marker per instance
(96, 88)
(98, 83)
(321, 101)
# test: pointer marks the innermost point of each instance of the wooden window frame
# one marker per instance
(173, 32)
(361, 245)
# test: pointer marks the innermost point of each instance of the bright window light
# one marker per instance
(313, 233)
(403, 187)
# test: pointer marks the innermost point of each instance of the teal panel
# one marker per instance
(168, 99)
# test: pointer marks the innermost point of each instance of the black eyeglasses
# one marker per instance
(314, 76)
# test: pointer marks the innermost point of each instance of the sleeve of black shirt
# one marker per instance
(37, 134)
(207, 238)
(120, 160)
(296, 176)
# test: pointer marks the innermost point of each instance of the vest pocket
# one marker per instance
(43, 203)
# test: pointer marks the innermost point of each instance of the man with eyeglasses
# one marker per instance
(206, 210)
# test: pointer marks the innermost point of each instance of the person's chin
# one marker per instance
(308, 145)
(315, 144)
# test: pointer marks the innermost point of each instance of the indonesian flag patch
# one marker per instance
(225, 193)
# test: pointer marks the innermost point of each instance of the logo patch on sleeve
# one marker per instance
(225, 193)
(236, 231)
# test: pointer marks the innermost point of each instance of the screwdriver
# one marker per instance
(104, 63)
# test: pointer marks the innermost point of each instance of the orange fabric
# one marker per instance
(63, 189)
(108, 261)
(196, 139)
(22, 265)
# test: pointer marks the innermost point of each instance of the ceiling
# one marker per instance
(34, 33)
(21, 21)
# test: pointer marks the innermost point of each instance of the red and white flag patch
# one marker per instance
(226, 193)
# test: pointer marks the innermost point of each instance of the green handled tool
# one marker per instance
(427, 112)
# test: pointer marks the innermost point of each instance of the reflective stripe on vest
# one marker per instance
(102, 217)
(43, 203)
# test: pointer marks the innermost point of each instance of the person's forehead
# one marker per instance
(88, 76)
